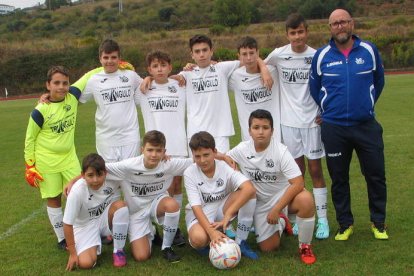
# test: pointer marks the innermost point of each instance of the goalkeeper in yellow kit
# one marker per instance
(49, 152)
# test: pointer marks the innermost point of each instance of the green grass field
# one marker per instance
(28, 244)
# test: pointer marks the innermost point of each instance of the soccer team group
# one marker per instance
(131, 186)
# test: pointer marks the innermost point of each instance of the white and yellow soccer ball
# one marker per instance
(225, 255)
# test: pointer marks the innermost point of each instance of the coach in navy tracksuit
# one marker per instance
(347, 79)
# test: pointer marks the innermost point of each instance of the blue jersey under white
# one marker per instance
(346, 88)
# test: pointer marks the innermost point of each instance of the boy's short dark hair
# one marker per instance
(157, 55)
(109, 46)
(200, 39)
(56, 69)
(247, 42)
(95, 161)
(294, 20)
(155, 138)
(202, 139)
(261, 114)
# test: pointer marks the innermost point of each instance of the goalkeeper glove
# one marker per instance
(125, 65)
(33, 176)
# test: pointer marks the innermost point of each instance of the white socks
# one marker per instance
(179, 199)
(321, 198)
(120, 223)
(245, 220)
(305, 227)
(170, 228)
(56, 219)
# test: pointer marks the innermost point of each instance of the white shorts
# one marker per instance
(303, 141)
(140, 223)
(222, 145)
(89, 235)
(263, 229)
(119, 153)
(213, 212)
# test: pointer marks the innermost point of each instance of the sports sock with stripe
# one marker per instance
(120, 223)
(170, 228)
(56, 219)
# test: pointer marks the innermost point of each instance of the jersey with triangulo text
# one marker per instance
(297, 108)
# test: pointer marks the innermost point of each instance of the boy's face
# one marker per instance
(261, 132)
(298, 38)
(201, 54)
(110, 61)
(159, 70)
(58, 87)
(94, 179)
(204, 158)
(248, 57)
(152, 155)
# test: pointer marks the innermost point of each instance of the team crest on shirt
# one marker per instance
(359, 61)
(212, 69)
(270, 163)
(220, 182)
(172, 89)
(108, 191)
(67, 107)
(123, 78)
(159, 175)
(308, 60)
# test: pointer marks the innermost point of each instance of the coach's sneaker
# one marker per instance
(62, 245)
(119, 258)
(179, 239)
(306, 254)
(380, 231)
(295, 229)
(169, 254)
(322, 229)
(230, 232)
(247, 251)
(344, 232)
(288, 226)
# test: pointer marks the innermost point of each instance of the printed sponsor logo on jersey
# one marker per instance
(308, 60)
(67, 107)
(172, 89)
(108, 191)
(220, 182)
(250, 157)
(213, 197)
(257, 95)
(294, 75)
(90, 197)
(139, 173)
(95, 212)
(200, 183)
(115, 95)
(64, 125)
(205, 85)
(160, 103)
(288, 58)
(335, 154)
(123, 78)
(261, 176)
(104, 80)
(359, 61)
(146, 189)
(245, 79)
(334, 63)
(270, 163)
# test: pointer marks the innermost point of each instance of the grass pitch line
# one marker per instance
(13, 229)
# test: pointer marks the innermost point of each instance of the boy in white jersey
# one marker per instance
(249, 92)
(49, 151)
(298, 112)
(216, 194)
(279, 186)
(93, 209)
(163, 109)
(146, 181)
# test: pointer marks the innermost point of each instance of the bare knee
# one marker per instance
(141, 256)
(118, 204)
(87, 261)
(304, 204)
(198, 238)
(170, 205)
(270, 244)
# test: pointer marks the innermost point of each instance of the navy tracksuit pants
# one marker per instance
(366, 140)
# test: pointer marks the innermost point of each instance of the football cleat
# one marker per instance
(62, 245)
(169, 254)
(322, 229)
(380, 231)
(204, 251)
(157, 240)
(230, 232)
(295, 229)
(119, 258)
(179, 239)
(247, 251)
(288, 226)
(344, 232)
(306, 254)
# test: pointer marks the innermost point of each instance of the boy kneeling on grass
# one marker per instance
(93, 209)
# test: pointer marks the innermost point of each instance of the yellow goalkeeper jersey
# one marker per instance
(50, 136)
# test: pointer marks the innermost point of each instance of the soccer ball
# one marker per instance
(225, 255)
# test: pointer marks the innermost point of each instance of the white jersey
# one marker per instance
(163, 109)
(205, 191)
(297, 108)
(85, 204)
(141, 185)
(208, 104)
(116, 96)
(250, 94)
(269, 170)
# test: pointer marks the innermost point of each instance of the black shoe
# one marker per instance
(62, 245)
(169, 254)
(157, 238)
(179, 239)
(107, 240)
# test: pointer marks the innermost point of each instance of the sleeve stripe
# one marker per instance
(37, 117)
(75, 92)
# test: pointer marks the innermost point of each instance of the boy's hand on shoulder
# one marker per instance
(45, 98)
(267, 80)
(180, 78)
(189, 67)
(145, 85)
